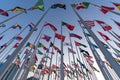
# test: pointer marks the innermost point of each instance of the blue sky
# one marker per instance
(56, 16)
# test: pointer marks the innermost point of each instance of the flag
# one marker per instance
(83, 5)
(27, 51)
(45, 37)
(54, 66)
(88, 23)
(2, 25)
(1, 37)
(69, 26)
(19, 38)
(95, 46)
(40, 66)
(71, 51)
(15, 26)
(80, 44)
(39, 5)
(66, 44)
(51, 26)
(54, 6)
(31, 25)
(75, 35)
(94, 68)
(59, 36)
(39, 52)
(30, 45)
(106, 9)
(118, 44)
(104, 36)
(35, 57)
(16, 45)
(4, 13)
(86, 34)
(84, 52)
(105, 45)
(104, 25)
(18, 9)
(41, 45)
(117, 5)
(3, 46)
(81, 64)
(118, 23)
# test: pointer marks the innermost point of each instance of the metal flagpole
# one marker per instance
(11, 40)
(105, 52)
(80, 59)
(106, 9)
(34, 52)
(10, 18)
(51, 59)
(5, 30)
(61, 64)
(73, 56)
(56, 64)
(6, 66)
(102, 67)
(114, 36)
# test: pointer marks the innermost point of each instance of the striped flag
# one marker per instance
(88, 23)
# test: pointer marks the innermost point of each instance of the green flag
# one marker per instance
(39, 52)
(39, 5)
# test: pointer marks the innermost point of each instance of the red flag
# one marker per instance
(16, 45)
(79, 44)
(106, 9)
(19, 38)
(71, 51)
(69, 26)
(45, 37)
(117, 5)
(1, 37)
(51, 26)
(59, 36)
(75, 35)
(88, 23)
(104, 36)
(4, 13)
(54, 66)
(35, 57)
(104, 25)
(118, 23)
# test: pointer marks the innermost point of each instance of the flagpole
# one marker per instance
(114, 36)
(79, 59)
(105, 52)
(106, 9)
(11, 40)
(51, 59)
(102, 67)
(5, 30)
(34, 52)
(86, 65)
(73, 56)
(61, 64)
(56, 64)
(110, 46)
(5, 67)
(10, 18)
(14, 38)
